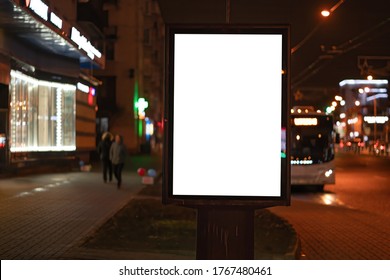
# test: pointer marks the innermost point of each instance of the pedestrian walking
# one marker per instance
(117, 155)
(103, 150)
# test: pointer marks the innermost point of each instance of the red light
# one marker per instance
(90, 99)
(160, 125)
(2, 141)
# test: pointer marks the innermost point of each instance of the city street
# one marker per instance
(45, 216)
(348, 220)
(242, 99)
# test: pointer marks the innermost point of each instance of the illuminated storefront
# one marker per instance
(47, 97)
(42, 115)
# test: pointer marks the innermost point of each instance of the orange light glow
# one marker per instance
(325, 13)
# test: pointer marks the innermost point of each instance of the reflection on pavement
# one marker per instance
(319, 198)
(43, 188)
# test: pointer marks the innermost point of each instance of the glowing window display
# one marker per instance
(42, 115)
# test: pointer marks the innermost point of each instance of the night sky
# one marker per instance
(331, 46)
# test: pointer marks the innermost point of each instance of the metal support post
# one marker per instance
(225, 234)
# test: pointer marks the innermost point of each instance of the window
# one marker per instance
(110, 50)
(42, 116)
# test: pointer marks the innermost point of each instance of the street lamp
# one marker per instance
(324, 13)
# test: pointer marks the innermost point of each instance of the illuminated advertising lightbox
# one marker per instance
(226, 115)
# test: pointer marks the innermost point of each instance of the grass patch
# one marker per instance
(146, 225)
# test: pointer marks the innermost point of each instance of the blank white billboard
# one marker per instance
(227, 115)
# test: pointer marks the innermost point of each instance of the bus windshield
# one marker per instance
(312, 142)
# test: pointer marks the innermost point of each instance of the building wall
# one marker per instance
(85, 122)
(137, 65)
(85, 103)
(125, 18)
(67, 9)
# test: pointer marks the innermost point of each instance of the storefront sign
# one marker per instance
(39, 8)
(44, 11)
(82, 87)
(54, 19)
(84, 44)
(87, 89)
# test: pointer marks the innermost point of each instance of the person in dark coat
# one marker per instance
(117, 155)
(104, 153)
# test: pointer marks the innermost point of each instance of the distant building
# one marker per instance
(130, 102)
(47, 87)
(365, 114)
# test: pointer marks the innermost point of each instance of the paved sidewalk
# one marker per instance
(50, 216)
(338, 233)
(43, 216)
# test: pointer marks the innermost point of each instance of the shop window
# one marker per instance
(42, 115)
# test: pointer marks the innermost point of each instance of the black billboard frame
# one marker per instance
(223, 201)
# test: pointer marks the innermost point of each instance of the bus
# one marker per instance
(312, 147)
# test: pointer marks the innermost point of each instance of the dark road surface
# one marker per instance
(348, 220)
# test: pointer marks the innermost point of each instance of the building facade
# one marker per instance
(365, 114)
(130, 101)
(47, 85)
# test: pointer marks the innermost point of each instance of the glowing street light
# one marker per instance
(325, 13)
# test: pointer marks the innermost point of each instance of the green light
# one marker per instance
(140, 127)
(283, 155)
(135, 99)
